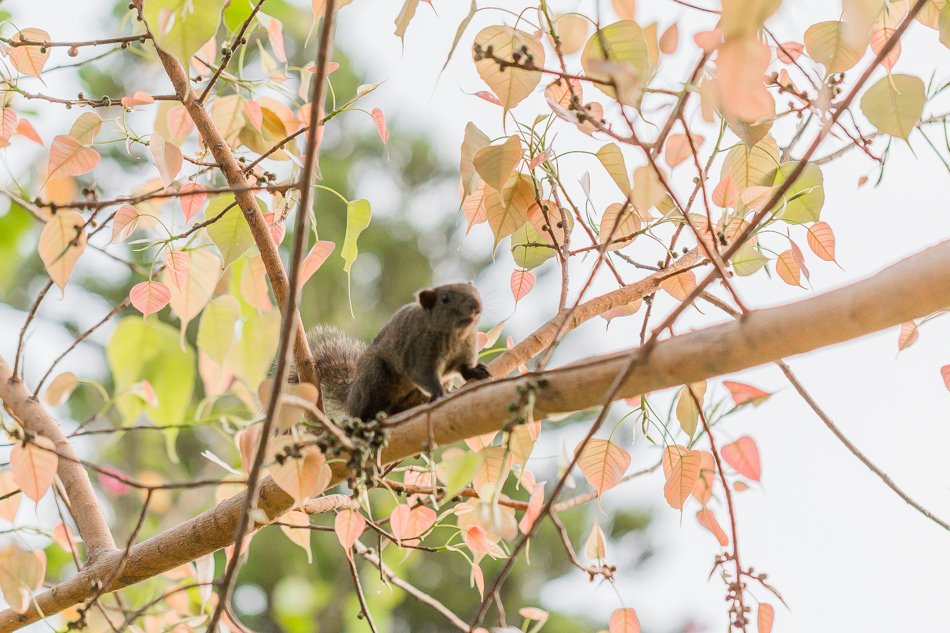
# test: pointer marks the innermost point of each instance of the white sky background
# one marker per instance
(844, 550)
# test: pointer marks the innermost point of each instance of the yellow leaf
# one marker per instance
(686, 411)
(603, 464)
(621, 43)
(612, 160)
(895, 104)
(62, 241)
(511, 85)
(618, 225)
(834, 46)
(507, 210)
(30, 60)
(681, 467)
(34, 466)
(495, 163)
(752, 166)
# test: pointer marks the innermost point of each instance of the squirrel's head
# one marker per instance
(452, 305)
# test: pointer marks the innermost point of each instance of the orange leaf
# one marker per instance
(788, 52)
(380, 121)
(533, 511)
(743, 455)
(603, 464)
(348, 525)
(254, 113)
(726, 193)
(740, 486)
(669, 40)
(821, 240)
(878, 40)
(300, 477)
(254, 284)
(125, 222)
(60, 388)
(681, 467)
(8, 123)
(680, 284)
(314, 259)
(139, 98)
(678, 148)
(480, 542)
(179, 122)
(788, 268)
(742, 393)
(275, 34)
(765, 617)
(149, 296)
(297, 528)
(62, 241)
(167, 158)
(178, 264)
(25, 128)
(703, 489)
(522, 282)
(409, 523)
(624, 621)
(34, 466)
(625, 9)
(69, 157)
(908, 337)
(30, 60)
(708, 520)
(192, 198)
(945, 372)
(20, 573)
(474, 206)
(10, 504)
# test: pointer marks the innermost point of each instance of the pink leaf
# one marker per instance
(681, 467)
(821, 241)
(25, 128)
(489, 97)
(624, 621)
(603, 463)
(480, 542)
(878, 40)
(945, 372)
(678, 148)
(349, 524)
(254, 113)
(726, 193)
(275, 33)
(34, 466)
(533, 511)
(112, 483)
(167, 157)
(669, 40)
(314, 259)
(380, 120)
(708, 520)
(8, 123)
(149, 296)
(522, 282)
(765, 617)
(125, 222)
(789, 269)
(743, 455)
(69, 157)
(192, 199)
(178, 264)
(742, 393)
(708, 40)
(908, 336)
(139, 98)
(788, 52)
(179, 121)
(409, 523)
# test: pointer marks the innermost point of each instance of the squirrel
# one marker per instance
(424, 344)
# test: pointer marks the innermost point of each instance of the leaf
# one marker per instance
(167, 158)
(945, 374)
(511, 85)
(507, 210)
(533, 511)
(764, 617)
(21, 573)
(457, 470)
(189, 299)
(68, 157)
(625, 9)
(752, 166)
(216, 330)
(9, 503)
(348, 525)
(473, 206)
(612, 160)
(879, 39)
(595, 547)
(254, 284)
(405, 17)
(151, 352)
(708, 520)
(227, 114)
(86, 128)
(621, 44)
(944, 23)
(789, 268)
(253, 354)
(740, 65)
(789, 52)
(8, 124)
(473, 141)
(603, 464)
(124, 223)
(30, 60)
(618, 226)
(821, 240)
(495, 163)
(230, 234)
(380, 121)
(522, 282)
(742, 393)
(192, 198)
(139, 98)
(726, 193)
(149, 296)
(493, 471)
(678, 148)
(648, 189)
(181, 27)
(296, 527)
(686, 410)
(178, 124)
(669, 40)
(895, 104)
(828, 44)
(60, 389)
(62, 241)
(681, 467)
(624, 621)
(177, 263)
(318, 254)
(680, 285)
(275, 36)
(703, 490)
(743, 456)
(410, 523)
(571, 30)
(300, 471)
(805, 197)
(908, 336)
(25, 128)
(34, 466)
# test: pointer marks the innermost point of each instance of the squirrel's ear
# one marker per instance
(427, 299)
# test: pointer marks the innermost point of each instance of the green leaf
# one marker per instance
(181, 27)
(358, 216)
(748, 260)
(805, 198)
(895, 104)
(944, 23)
(230, 234)
(622, 43)
(253, 352)
(457, 471)
(236, 13)
(216, 328)
(138, 351)
(529, 257)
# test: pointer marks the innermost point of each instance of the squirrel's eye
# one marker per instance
(445, 298)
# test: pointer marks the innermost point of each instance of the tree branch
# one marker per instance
(912, 288)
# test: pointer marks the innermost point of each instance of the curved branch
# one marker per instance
(910, 289)
(27, 410)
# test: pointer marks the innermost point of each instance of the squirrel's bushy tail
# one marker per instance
(336, 354)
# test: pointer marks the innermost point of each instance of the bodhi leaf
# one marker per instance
(473, 141)
(216, 328)
(507, 210)
(230, 234)
(805, 198)
(511, 85)
(619, 43)
(612, 160)
(62, 241)
(358, 216)
(526, 256)
(828, 44)
(752, 166)
(895, 104)
(253, 352)
(181, 27)
(495, 163)
(138, 351)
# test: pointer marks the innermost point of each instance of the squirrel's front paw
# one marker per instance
(478, 372)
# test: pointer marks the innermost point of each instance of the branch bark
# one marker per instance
(912, 288)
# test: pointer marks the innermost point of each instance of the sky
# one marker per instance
(843, 549)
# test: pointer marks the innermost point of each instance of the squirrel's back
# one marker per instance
(336, 355)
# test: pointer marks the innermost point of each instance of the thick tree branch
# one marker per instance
(910, 289)
(27, 410)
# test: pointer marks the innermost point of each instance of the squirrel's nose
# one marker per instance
(475, 305)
